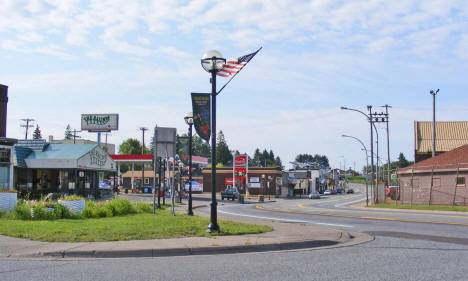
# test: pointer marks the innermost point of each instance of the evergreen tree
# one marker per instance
(223, 154)
(68, 133)
(402, 162)
(37, 133)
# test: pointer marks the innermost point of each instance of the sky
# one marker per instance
(141, 59)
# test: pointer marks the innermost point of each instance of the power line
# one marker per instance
(27, 125)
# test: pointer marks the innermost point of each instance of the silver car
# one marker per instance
(314, 195)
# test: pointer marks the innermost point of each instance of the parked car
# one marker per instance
(230, 193)
(340, 190)
(350, 190)
(327, 192)
(314, 195)
(333, 191)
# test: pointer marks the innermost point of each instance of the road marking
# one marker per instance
(358, 217)
(285, 220)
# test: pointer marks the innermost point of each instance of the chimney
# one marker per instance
(3, 109)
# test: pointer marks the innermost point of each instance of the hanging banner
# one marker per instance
(183, 148)
(201, 115)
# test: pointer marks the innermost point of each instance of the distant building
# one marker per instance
(449, 135)
(109, 147)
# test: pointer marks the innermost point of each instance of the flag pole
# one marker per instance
(236, 74)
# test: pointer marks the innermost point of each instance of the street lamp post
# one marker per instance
(433, 121)
(367, 165)
(212, 61)
(189, 120)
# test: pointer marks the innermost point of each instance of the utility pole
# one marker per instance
(433, 122)
(75, 136)
(369, 107)
(142, 129)
(27, 125)
(388, 145)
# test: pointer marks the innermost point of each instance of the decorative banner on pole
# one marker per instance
(201, 115)
(183, 148)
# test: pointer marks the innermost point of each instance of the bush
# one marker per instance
(39, 212)
(120, 207)
(22, 211)
(63, 212)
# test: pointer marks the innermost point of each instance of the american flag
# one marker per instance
(235, 65)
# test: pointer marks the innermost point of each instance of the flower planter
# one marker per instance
(8, 201)
(75, 206)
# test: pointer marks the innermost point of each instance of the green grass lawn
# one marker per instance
(130, 227)
(422, 207)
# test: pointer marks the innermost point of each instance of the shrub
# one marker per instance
(40, 212)
(63, 212)
(22, 211)
(120, 207)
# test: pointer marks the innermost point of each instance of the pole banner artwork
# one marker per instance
(201, 115)
(183, 148)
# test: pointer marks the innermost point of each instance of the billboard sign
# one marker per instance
(99, 122)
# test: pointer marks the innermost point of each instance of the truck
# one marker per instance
(230, 193)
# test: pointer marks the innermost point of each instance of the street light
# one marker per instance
(189, 120)
(369, 107)
(367, 165)
(212, 61)
(433, 121)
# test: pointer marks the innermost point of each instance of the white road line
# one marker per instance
(285, 220)
(350, 202)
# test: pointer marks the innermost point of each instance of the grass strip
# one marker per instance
(130, 227)
(422, 207)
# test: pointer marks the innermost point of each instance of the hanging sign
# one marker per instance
(201, 115)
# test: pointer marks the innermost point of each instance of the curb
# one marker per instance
(191, 251)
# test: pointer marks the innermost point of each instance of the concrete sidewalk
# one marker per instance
(285, 236)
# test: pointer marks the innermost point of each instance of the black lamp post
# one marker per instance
(212, 61)
(189, 120)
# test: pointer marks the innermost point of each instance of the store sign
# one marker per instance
(254, 179)
(254, 185)
(99, 122)
(241, 160)
(97, 157)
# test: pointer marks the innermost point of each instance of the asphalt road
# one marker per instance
(402, 250)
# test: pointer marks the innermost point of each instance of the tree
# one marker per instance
(402, 162)
(68, 133)
(37, 133)
(316, 160)
(130, 146)
(223, 154)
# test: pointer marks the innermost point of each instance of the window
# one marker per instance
(146, 180)
(460, 181)
(436, 182)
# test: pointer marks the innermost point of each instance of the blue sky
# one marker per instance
(141, 59)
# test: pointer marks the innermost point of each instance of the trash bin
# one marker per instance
(126, 190)
(261, 198)
(241, 199)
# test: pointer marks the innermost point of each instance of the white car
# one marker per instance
(327, 192)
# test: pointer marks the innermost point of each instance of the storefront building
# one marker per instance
(42, 168)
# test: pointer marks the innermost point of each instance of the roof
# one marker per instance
(62, 151)
(149, 158)
(448, 161)
(449, 135)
